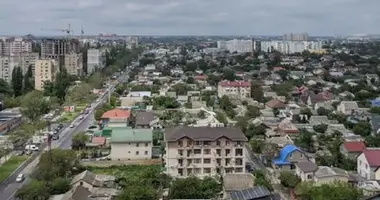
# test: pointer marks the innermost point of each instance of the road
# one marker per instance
(9, 189)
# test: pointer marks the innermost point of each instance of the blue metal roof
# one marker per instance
(375, 102)
(284, 153)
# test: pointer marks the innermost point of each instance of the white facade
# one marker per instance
(45, 70)
(131, 150)
(74, 64)
(288, 47)
(240, 46)
(6, 68)
(364, 170)
(12, 46)
(95, 59)
(186, 157)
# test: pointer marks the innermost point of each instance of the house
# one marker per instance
(347, 107)
(297, 74)
(352, 149)
(240, 88)
(128, 143)
(372, 78)
(204, 151)
(319, 175)
(368, 164)
(88, 185)
(275, 104)
(286, 127)
(288, 156)
(134, 97)
(318, 120)
(144, 119)
(116, 118)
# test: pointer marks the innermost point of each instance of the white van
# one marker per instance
(31, 147)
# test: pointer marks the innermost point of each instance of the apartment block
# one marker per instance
(45, 70)
(239, 46)
(52, 48)
(95, 59)
(289, 47)
(296, 37)
(73, 63)
(204, 151)
(240, 88)
(14, 46)
(6, 68)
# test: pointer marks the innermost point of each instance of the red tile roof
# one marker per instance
(354, 146)
(116, 113)
(98, 140)
(235, 84)
(200, 77)
(372, 156)
(275, 103)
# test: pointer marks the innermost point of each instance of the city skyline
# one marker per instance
(191, 17)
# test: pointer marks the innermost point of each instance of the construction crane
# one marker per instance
(69, 31)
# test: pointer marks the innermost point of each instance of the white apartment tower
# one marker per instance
(95, 59)
(204, 151)
(14, 46)
(239, 46)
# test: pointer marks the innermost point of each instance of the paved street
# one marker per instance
(8, 190)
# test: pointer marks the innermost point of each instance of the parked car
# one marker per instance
(20, 178)
(81, 117)
(31, 147)
(72, 125)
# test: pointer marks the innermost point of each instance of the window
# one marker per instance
(197, 161)
(206, 151)
(146, 144)
(197, 151)
(206, 143)
(207, 170)
(146, 152)
(180, 143)
(137, 153)
(309, 176)
(137, 144)
(207, 161)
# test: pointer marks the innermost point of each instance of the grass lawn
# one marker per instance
(8, 167)
(69, 116)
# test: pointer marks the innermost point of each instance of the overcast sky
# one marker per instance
(191, 17)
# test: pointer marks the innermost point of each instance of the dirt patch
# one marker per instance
(120, 163)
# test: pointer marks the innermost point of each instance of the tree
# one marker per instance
(321, 128)
(79, 94)
(289, 179)
(162, 102)
(257, 145)
(96, 80)
(276, 112)
(79, 141)
(17, 81)
(158, 136)
(101, 110)
(201, 114)
(32, 191)
(134, 192)
(59, 185)
(61, 84)
(252, 111)
(34, 105)
(194, 188)
(28, 80)
(323, 111)
(305, 140)
(5, 88)
(57, 163)
(257, 92)
(307, 191)
(362, 128)
(261, 179)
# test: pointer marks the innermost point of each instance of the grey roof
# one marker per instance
(325, 171)
(204, 133)
(250, 194)
(77, 193)
(144, 118)
(307, 166)
(87, 177)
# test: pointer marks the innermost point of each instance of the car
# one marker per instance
(31, 147)
(81, 117)
(20, 178)
(72, 125)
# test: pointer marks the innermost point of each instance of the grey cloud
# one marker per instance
(241, 17)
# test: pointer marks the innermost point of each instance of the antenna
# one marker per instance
(81, 31)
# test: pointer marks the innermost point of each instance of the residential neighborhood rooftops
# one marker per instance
(372, 156)
(125, 134)
(274, 103)
(235, 84)
(284, 153)
(307, 166)
(354, 146)
(116, 113)
(204, 133)
(144, 118)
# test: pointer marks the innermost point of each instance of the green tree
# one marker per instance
(57, 163)
(61, 84)
(158, 136)
(321, 128)
(362, 128)
(289, 179)
(79, 141)
(96, 80)
(261, 179)
(59, 185)
(305, 140)
(323, 111)
(28, 80)
(34, 105)
(34, 190)
(257, 92)
(141, 192)
(256, 145)
(5, 88)
(79, 94)
(194, 188)
(17, 81)
(306, 191)
(201, 114)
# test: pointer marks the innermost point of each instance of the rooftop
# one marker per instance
(204, 133)
(126, 134)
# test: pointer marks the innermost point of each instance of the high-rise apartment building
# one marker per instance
(289, 47)
(204, 151)
(14, 46)
(296, 37)
(95, 59)
(23, 60)
(239, 46)
(58, 48)
(45, 70)
(73, 63)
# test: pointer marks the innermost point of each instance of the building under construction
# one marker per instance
(63, 50)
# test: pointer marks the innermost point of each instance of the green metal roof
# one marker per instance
(126, 134)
